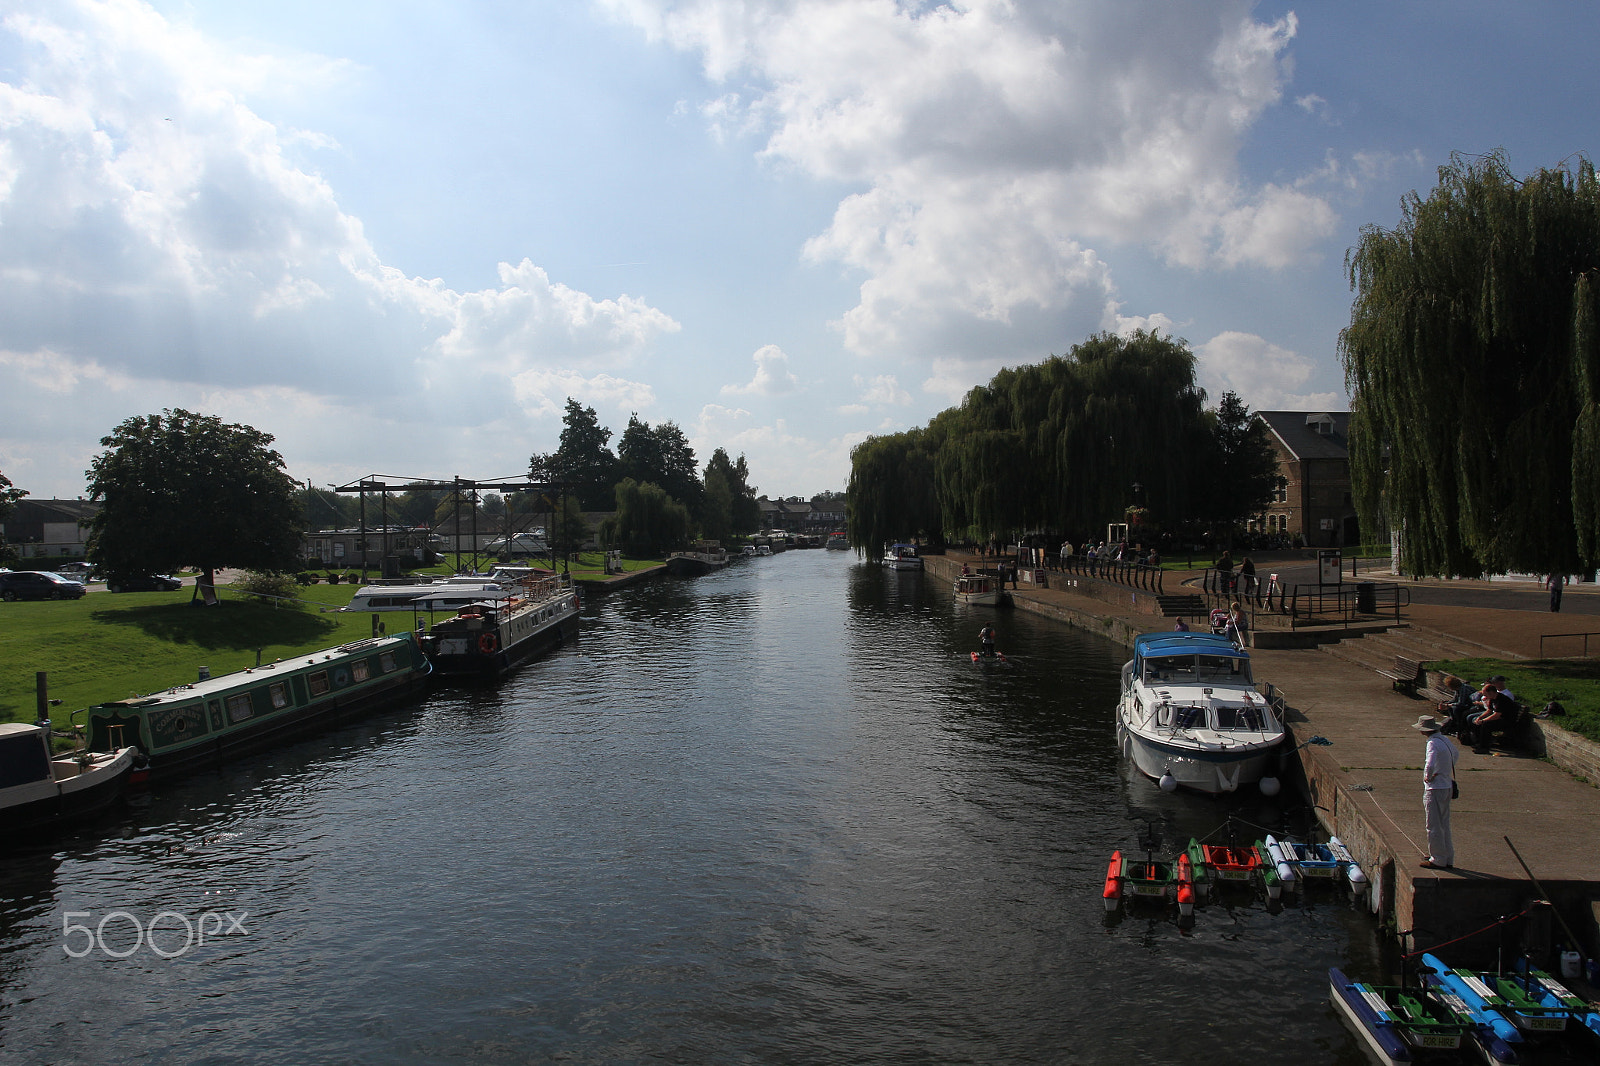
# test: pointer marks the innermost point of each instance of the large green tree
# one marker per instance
(648, 523)
(183, 489)
(892, 497)
(660, 455)
(584, 461)
(744, 513)
(1239, 473)
(1473, 363)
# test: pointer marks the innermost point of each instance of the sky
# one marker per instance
(398, 234)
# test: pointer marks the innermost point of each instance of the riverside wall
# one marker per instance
(1366, 789)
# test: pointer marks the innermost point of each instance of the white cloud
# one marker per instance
(882, 390)
(543, 393)
(772, 375)
(1264, 375)
(154, 228)
(997, 142)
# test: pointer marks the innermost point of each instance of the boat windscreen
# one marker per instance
(1169, 670)
(1251, 717)
(1228, 668)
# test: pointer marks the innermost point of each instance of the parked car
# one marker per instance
(74, 571)
(143, 583)
(38, 585)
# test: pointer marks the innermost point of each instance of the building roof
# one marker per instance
(1310, 434)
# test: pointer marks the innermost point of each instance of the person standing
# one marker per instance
(1438, 788)
(1554, 583)
(986, 642)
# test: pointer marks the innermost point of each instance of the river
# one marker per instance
(771, 815)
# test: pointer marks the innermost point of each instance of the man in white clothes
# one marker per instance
(1438, 783)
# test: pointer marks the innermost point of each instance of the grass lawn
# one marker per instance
(107, 647)
(1574, 683)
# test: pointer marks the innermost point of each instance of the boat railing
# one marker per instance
(1120, 571)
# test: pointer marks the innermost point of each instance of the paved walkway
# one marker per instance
(1368, 784)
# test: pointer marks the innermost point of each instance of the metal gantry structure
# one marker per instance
(462, 491)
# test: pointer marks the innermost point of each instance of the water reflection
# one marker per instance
(774, 814)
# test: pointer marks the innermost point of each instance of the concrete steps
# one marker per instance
(1377, 651)
(1174, 605)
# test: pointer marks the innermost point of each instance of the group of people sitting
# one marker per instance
(1478, 717)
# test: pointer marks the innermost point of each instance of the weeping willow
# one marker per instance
(1472, 362)
(1057, 445)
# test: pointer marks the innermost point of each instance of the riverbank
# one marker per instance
(1366, 786)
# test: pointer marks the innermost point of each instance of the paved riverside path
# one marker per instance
(1367, 785)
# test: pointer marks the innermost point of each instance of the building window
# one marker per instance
(1281, 493)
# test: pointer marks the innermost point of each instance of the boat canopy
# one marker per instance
(1190, 659)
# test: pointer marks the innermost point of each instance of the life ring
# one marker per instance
(488, 644)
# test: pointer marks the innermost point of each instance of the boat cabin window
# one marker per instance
(319, 683)
(386, 661)
(1226, 668)
(1188, 717)
(1169, 669)
(1239, 717)
(239, 707)
(360, 670)
(280, 695)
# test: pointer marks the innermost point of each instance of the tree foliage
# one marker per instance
(1054, 445)
(583, 462)
(1241, 468)
(744, 513)
(648, 523)
(8, 500)
(183, 489)
(1473, 364)
(660, 455)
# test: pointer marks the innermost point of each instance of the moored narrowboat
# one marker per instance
(220, 718)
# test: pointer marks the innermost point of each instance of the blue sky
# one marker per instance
(398, 235)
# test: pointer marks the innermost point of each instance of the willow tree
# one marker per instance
(1474, 371)
(891, 493)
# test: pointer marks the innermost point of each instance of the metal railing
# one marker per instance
(1557, 636)
(1122, 572)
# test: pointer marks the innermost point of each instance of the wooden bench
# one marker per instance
(1408, 675)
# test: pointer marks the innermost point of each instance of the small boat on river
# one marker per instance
(1398, 1022)
(703, 558)
(902, 557)
(490, 638)
(838, 542)
(1150, 879)
(1189, 712)
(1237, 865)
(446, 595)
(978, 590)
(40, 792)
(220, 718)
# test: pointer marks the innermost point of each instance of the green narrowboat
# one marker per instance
(219, 718)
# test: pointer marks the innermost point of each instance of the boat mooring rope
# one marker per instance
(1368, 789)
(1497, 923)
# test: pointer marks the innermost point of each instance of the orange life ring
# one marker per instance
(488, 644)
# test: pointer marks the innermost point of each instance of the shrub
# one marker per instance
(264, 585)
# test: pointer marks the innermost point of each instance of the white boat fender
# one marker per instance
(1168, 783)
(1285, 867)
(1358, 879)
(1270, 787)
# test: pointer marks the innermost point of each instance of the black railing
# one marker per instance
(1347, 602)
(1558, 636)
(1120, 571)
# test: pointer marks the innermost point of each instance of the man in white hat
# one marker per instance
(1438, 784)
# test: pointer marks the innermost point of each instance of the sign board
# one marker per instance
(1330, 566)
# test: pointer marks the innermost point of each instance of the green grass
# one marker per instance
(1574, 683)
(107, 647)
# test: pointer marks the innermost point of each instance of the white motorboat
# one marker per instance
(1190, 716)
(902, 557)
(452, 594)
(980, 590)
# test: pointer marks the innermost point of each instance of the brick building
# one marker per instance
(1312, 502)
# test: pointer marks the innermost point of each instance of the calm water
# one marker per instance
(770, 815)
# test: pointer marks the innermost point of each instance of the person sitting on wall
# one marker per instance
(1459, 709)
(1500, 717)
